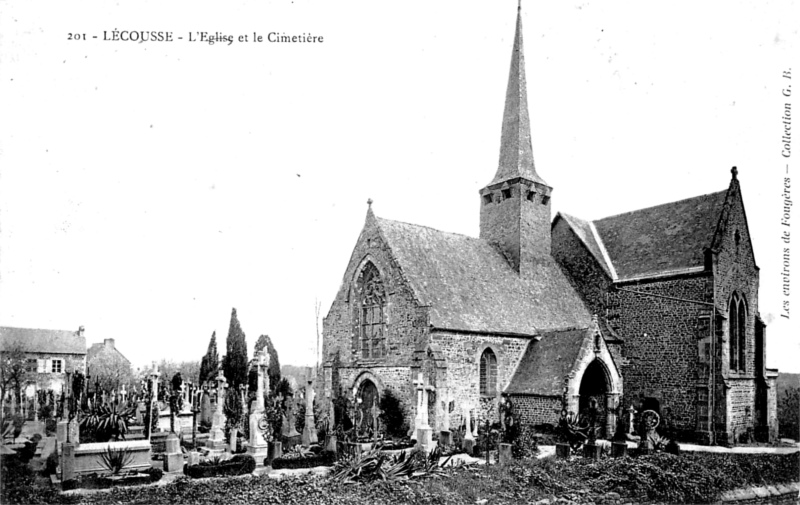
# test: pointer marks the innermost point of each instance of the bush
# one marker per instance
(155, 474)
(51, 464)
(325, 458)
(392, 415)
(240, 464)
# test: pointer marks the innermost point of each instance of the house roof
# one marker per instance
(546, 363)
(98, 348)
(470, 286)
(43, 341)
(663, 238)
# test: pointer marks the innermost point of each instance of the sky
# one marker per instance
(146, 189)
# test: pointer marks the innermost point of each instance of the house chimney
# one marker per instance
(108, 343)
(81, 329)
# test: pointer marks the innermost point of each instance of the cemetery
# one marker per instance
(169, 441)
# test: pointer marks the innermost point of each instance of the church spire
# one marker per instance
(516, 153)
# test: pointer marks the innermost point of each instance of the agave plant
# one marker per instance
(107, 422)
(114, 460)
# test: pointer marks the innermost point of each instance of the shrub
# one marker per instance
(392, 415)
(155, 473)
(325, 458)
(240, 464)
(51, 463)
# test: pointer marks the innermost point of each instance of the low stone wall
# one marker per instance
(780, 493)
(88, 457)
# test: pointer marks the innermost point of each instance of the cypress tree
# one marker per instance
(274, 369)
(209, 365)
(234, 365)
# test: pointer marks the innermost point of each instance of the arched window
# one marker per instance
(742, 331)
(737, 333)
(371, 313)
(488, 373)
(733, 334)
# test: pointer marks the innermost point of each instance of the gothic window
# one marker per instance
(372, 313)
(742, 331)
(488, 373)
(737, 333)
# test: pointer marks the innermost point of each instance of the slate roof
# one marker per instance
(546, 363)
(662, 238)
(665, 238)
(43, 341)
(97, 348)
(583, 229)
(470, 286)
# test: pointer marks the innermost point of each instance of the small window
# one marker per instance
(31, 365)
(545, 199)
(506, 194)
(56, 366)
(488, 373)
(487, 198)
(530, 195)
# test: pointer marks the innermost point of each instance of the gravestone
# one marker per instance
(258, 447)
(216, 441)
(468, 444)
(206, 410)
(173, 458)
(310, 426)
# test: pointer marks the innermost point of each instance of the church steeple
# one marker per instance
(515, 206)
(516, 153)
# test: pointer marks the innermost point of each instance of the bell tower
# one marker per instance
(515, 205)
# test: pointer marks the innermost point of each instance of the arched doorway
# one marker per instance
(367, 405)
(594, 386)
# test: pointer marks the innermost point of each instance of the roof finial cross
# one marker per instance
(519, 5)
(369, 202)
(734, 172)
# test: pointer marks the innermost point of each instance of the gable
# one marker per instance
(470, 286)
(661, 239)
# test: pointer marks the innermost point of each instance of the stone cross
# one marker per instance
(310, 427)
(375, 412)
(425, 395)
(631, 414)
(257, 444)
(468, 424)
(124, 394)
(445, 403)
(262, 366)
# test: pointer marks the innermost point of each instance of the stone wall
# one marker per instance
(735, 271)
(661, 338)
(535, 410)
(406, 321)
(462, 352)
(582, 269)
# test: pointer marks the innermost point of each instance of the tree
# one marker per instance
(209, 365)
(234, 365)
(13, 369)
(788, 407)
(189, 370)
(274, 368)
(110, 370)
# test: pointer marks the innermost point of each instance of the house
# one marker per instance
(50, 354)
(655, 309)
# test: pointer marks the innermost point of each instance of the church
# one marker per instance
(653, 309)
